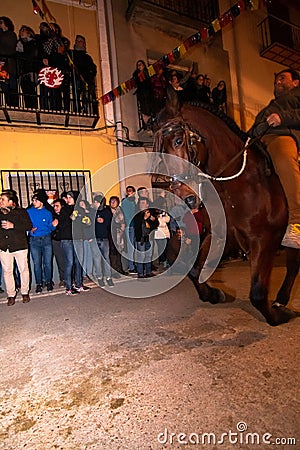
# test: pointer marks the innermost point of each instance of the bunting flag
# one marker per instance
(203, 34)
(40, 7)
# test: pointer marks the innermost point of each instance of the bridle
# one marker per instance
(192, 137)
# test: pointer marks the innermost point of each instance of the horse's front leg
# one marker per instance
(206, 293)
(292, 270)
(261, 266)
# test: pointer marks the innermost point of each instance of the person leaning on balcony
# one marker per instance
(279, 125)
(143, 92)
(84, 72)
(15, 223)
(27, 53)
(48, 51)
(219, 96)
(8, 42)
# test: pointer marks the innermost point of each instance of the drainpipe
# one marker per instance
(240, 90)
(109, 71)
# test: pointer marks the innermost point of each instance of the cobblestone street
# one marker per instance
(105, 372)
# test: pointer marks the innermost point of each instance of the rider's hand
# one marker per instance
(274, 120)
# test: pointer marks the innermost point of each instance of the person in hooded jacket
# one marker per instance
(103, 235)
(70, 243)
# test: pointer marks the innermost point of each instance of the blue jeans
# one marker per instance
(130, 238)
(41, 253)
(161, 248)
(103, 246)
(71, 263)
(143, 259)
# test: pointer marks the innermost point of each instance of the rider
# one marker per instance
(279, 125)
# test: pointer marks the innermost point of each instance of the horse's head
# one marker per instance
(176, 138)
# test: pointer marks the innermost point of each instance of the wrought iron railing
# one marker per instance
(23, 91)
(202, 10)
(272, 29)
(25, 182)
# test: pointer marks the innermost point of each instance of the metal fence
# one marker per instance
(273, 29)
(203, 10)
(24, 91)
(25, 182)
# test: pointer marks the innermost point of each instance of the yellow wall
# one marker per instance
(59, 150)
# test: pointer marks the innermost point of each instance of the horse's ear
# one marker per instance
(172, 102)
(171, 108)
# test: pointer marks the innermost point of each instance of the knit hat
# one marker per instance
(40, 197)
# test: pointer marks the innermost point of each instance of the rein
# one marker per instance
(217, 177)
(193, 136)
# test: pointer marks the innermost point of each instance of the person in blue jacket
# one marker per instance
(40, 243)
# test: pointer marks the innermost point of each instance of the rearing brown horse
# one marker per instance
(254, 202)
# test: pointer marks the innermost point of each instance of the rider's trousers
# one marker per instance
(284, 153)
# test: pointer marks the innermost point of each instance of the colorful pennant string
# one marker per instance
(204, 33)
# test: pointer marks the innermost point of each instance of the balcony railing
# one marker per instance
(24, 100)
(184, 12)
(280, 41)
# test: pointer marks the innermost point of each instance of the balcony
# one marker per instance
(25, 102)
(280, 42)
(176, 18)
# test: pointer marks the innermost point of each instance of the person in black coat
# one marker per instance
(144, 223)
(27, 53)
(84, 72)
(103, 235)
(15, 223)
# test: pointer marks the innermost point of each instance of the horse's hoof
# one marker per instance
(280, 314)
(216, 296)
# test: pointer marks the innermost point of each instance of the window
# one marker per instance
(26, 182)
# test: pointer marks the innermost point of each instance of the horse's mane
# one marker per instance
(221, 115)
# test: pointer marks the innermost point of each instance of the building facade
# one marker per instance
(75, 148)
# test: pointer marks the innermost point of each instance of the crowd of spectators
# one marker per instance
(98, 241)
(23, 56)
(151, 92)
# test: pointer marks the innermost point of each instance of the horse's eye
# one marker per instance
(178, 141)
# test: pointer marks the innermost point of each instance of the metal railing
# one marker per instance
(25, 182)
(272, 29)
(202, 10)
(23, 91)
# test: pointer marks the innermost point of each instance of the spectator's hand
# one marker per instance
(45, 62)
(7, 225)
(100, 220)
(55, 223)
(274, 120)
(33, 229)
(147, 215)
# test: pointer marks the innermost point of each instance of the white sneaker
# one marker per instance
(292, 236)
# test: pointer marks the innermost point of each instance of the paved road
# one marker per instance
(105, 372)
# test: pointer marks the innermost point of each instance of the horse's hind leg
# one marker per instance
(261, 266)
(292, 270)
